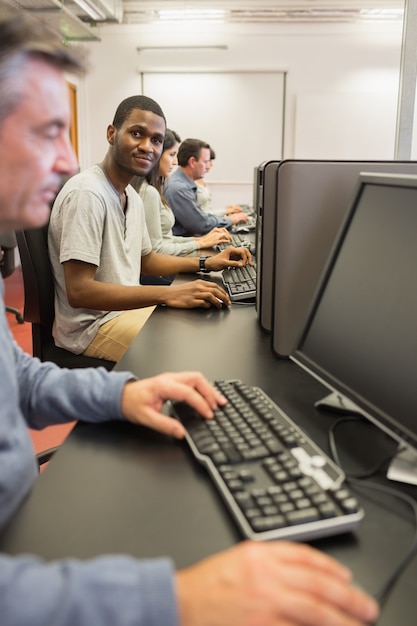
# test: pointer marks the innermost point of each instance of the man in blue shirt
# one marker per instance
(181, 192)
(269, 584)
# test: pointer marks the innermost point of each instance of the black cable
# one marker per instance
(382, 594)
(359, 480)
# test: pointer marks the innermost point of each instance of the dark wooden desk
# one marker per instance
(120, 488)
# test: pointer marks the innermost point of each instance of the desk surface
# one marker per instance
(120, 488)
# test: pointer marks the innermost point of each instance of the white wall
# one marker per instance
(342, 80)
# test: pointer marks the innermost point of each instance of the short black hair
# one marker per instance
(135, 102)
(190, 148)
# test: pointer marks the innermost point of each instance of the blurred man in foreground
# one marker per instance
(268, 584)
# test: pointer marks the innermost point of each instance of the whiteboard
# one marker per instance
(240, 114)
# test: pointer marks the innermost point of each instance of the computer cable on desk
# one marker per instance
(362, 480)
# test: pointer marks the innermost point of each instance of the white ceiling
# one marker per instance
(74, 22)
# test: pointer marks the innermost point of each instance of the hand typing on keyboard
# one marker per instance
(230, 257)
(276, 482)
(216, 236)
(271, 584)
(142, 400)
(266, 583)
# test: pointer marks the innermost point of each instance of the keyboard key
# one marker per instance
(303, 516)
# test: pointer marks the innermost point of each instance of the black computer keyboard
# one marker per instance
(240, 282)
(238, 241)
(276, 482)
(250, 224)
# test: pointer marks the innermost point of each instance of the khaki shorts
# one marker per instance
(114, 337)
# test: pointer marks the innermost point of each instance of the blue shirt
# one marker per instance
(190, 220)
(108, 590)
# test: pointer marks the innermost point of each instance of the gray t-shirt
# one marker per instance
(88, 224)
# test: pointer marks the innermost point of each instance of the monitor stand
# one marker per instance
(403, 467)
(338, 403)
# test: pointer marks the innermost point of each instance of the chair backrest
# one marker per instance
(39, 301)
(37, 276)
(7, 251)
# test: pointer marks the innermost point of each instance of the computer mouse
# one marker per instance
(240, 230)
(224, 305)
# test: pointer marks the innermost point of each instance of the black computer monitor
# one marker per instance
(312, 198)
(360, 338)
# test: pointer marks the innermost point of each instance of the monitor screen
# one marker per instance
(361, 335)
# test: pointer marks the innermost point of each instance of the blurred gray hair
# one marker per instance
(23, 37)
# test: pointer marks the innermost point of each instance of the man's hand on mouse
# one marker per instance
(196, 294)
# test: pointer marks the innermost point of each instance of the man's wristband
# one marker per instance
(203, 267)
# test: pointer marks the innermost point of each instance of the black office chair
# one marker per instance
(7, 264)
(45, 456)
(39, 301)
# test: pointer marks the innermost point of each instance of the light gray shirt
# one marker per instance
(88, 224)
(204, 199)
(159, 221)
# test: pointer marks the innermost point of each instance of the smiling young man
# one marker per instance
(99, 245)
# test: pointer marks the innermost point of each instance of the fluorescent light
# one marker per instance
(91, 9)
(142, 48)
(383, 14)
(191, 14)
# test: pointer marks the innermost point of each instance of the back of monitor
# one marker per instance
(312, 198)
(266, 202)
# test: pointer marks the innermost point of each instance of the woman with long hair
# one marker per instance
(159, 217)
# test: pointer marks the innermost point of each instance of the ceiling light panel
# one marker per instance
(191, 14)
(139, 11)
